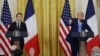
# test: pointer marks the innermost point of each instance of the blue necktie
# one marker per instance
(79, 26)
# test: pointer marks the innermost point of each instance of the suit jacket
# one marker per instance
(74, 26)
(13, 26)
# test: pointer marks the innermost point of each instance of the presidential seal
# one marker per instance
(16, 33)
(83, 34)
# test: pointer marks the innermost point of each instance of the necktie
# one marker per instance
(79, 26)
(18, 25)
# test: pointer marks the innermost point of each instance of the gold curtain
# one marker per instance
(48, 13)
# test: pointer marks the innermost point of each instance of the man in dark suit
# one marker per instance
(77, 25)
(18, 25)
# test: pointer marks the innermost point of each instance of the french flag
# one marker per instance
(94, 43)
(31, 42)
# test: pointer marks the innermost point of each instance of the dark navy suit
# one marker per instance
(74, 28)
(13, 26)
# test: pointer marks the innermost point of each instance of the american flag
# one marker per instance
(4, 22)
(64, 30)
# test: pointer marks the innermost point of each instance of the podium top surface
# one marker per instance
(16, 36)
(82, 34)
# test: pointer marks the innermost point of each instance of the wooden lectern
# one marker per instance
(16, 35)
(82, 37)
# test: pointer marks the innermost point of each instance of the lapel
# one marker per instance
(83, 25)
(15, 25)
(77, 24)
(20, 25)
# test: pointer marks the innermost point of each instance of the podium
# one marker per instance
(82, 37)
(16, 35)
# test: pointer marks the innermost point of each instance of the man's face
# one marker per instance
(80, 15)
(19, 17)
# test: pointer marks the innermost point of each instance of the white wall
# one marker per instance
(12, 6)
(81, 5)
(97, 9)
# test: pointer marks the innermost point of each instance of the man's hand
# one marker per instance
(13, 47)
(70, 21)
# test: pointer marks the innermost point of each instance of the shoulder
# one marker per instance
(13, 23)
(23, 23)
(74, 19)
(84, 21)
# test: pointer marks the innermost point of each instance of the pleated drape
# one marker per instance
(48, 13)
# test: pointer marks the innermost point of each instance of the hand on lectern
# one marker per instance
(70, 21)
(13, 47)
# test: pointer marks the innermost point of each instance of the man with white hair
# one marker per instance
(77, 25)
